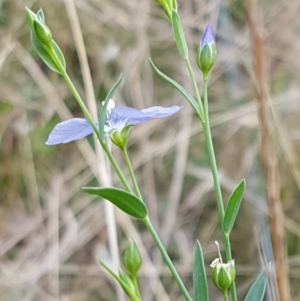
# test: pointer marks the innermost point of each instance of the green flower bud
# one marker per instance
(207, 52)
(223, 274)
(132, 258)
(42, 32)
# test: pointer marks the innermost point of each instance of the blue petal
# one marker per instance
(69, 130)
(122, 116)
(160, 112)
(208, 36)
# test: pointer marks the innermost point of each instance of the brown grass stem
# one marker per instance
(268, 154)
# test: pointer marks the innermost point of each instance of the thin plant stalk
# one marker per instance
(136, 286)
(225, 295)
(155, 236)
(166, 258)
(131, 172)
(195, 88)
(214, 168)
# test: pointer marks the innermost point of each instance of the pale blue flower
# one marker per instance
(117, 119)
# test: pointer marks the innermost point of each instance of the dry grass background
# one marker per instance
(51, 234)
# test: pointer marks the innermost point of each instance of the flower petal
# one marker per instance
(123, 116)
(160, 112)
(208, 36)
(69, 130)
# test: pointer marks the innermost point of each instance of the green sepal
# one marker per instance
(124, 200)
(223, 277)
(179, 35)
(199, 276)
(233, 206)
(40, 15)
(258, 288)
(52, 56)
(102, 115)
(30, 16)
(126, 278)
(206, 57)
(184, 93)
(124, 285)
(120, 138)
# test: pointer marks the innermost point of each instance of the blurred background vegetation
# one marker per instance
(51, 234)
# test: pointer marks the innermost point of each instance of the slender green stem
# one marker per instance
(80, 102)
(225, 295)
(151, 229)
(214, 168)
(136, 286)
(167, 258)
(116, 167)
(195, 88)
(131, 173)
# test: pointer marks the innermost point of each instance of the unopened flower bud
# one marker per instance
(132, 258)
(42, 31)
(207, 52)
(223, 274)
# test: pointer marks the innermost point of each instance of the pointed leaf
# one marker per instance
(124, 200)
(199, 276)
(179, 35)
(258, 288)
(184, 93)
(124, 285)
(232, 207)
(102, 115)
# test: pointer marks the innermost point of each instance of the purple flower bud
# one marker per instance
(207, 52)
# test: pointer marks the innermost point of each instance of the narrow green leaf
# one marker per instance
(199, 276)
(124, 285)
(179, 35)
(102, 115)
(232, 207)
(124, 200)
(184, 93)
(45, 54)
(257, 290)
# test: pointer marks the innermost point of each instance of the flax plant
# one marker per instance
(114, 123)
